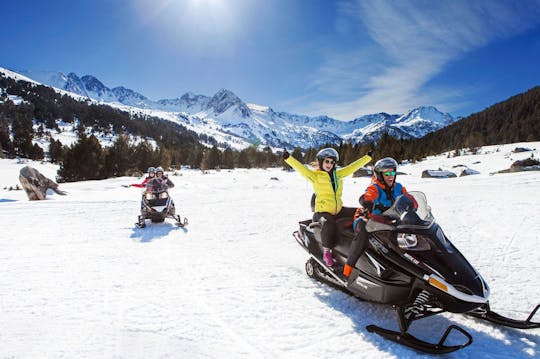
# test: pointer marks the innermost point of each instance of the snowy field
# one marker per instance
(79, 280)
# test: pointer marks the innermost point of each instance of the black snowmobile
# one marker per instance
(410, 264)
(156, 205)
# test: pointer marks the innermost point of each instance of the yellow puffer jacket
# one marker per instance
(327, 200)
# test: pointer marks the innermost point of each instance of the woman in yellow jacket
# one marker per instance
(328, 186)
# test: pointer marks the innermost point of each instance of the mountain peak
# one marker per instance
(427, 112)
(225, 99)
(127, 95)
(93, 84)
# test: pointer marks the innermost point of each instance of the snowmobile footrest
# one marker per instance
(411, 341)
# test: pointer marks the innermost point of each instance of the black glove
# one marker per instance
(370, 153)
(367, 205)
(286, 154)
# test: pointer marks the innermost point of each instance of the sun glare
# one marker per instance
(197, 27)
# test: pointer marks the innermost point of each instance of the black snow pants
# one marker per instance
(328, 229)
(359, 242)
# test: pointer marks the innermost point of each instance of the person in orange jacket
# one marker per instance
(379, 196)
(151, 175)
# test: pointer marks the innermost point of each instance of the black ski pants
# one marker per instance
(359, 242)
(328, 229)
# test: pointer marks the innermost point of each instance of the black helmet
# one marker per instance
(382, 164)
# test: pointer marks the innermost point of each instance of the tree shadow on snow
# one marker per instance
(154, 230)
(502, 342)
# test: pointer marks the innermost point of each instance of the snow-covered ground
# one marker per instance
(79, 280)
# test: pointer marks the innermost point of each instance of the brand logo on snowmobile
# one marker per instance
(411, 258)
(375, 243)
(364, 283)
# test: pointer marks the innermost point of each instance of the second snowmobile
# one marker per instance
(157, 205)
(410, 264)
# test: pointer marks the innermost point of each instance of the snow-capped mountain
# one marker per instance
(189, 102)
(225, 115)
(90, 86)
(422, 120)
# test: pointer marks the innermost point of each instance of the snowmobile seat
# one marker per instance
(344, 224)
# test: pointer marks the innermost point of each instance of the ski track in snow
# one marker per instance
(78, 279)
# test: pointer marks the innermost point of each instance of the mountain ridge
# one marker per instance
(226, 114)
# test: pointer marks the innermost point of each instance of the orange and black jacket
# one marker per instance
(378, 198)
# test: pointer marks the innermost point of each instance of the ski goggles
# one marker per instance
(329, 160)
(389, 173)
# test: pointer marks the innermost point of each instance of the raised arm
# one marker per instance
(303, 170)
(353, 167)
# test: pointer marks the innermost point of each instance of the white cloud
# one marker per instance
(412, 42)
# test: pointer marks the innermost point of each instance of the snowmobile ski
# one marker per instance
(485, 313)
(180, 222)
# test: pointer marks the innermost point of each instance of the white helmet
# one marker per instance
(328, 152)
(382, 164)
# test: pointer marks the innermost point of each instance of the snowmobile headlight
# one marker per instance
(163, 195)
(412, 242)
(150, 196)
(406, 240)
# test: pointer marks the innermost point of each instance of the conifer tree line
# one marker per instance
(171, 145)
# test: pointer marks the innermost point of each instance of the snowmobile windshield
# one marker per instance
(156, 186)
(410, 203)
(410, 210)
(410, 216)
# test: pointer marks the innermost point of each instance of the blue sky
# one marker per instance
(315, 57)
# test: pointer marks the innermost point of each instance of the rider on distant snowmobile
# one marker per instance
(379, 196)
(151, 174)
(159, 182)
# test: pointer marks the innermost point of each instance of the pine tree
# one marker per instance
(143, 156)
(227, 159)
(211, 159)
(55, 151)
(84, 160)
(36, 152)
(22, 135)
(118, 158)
(297, 153)
(5, 141)
(195, 157)
(243, 160)
(164, 157)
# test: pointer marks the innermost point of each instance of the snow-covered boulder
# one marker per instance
(438, 174)
(528, 162)
(468, 172)
(363, 172)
